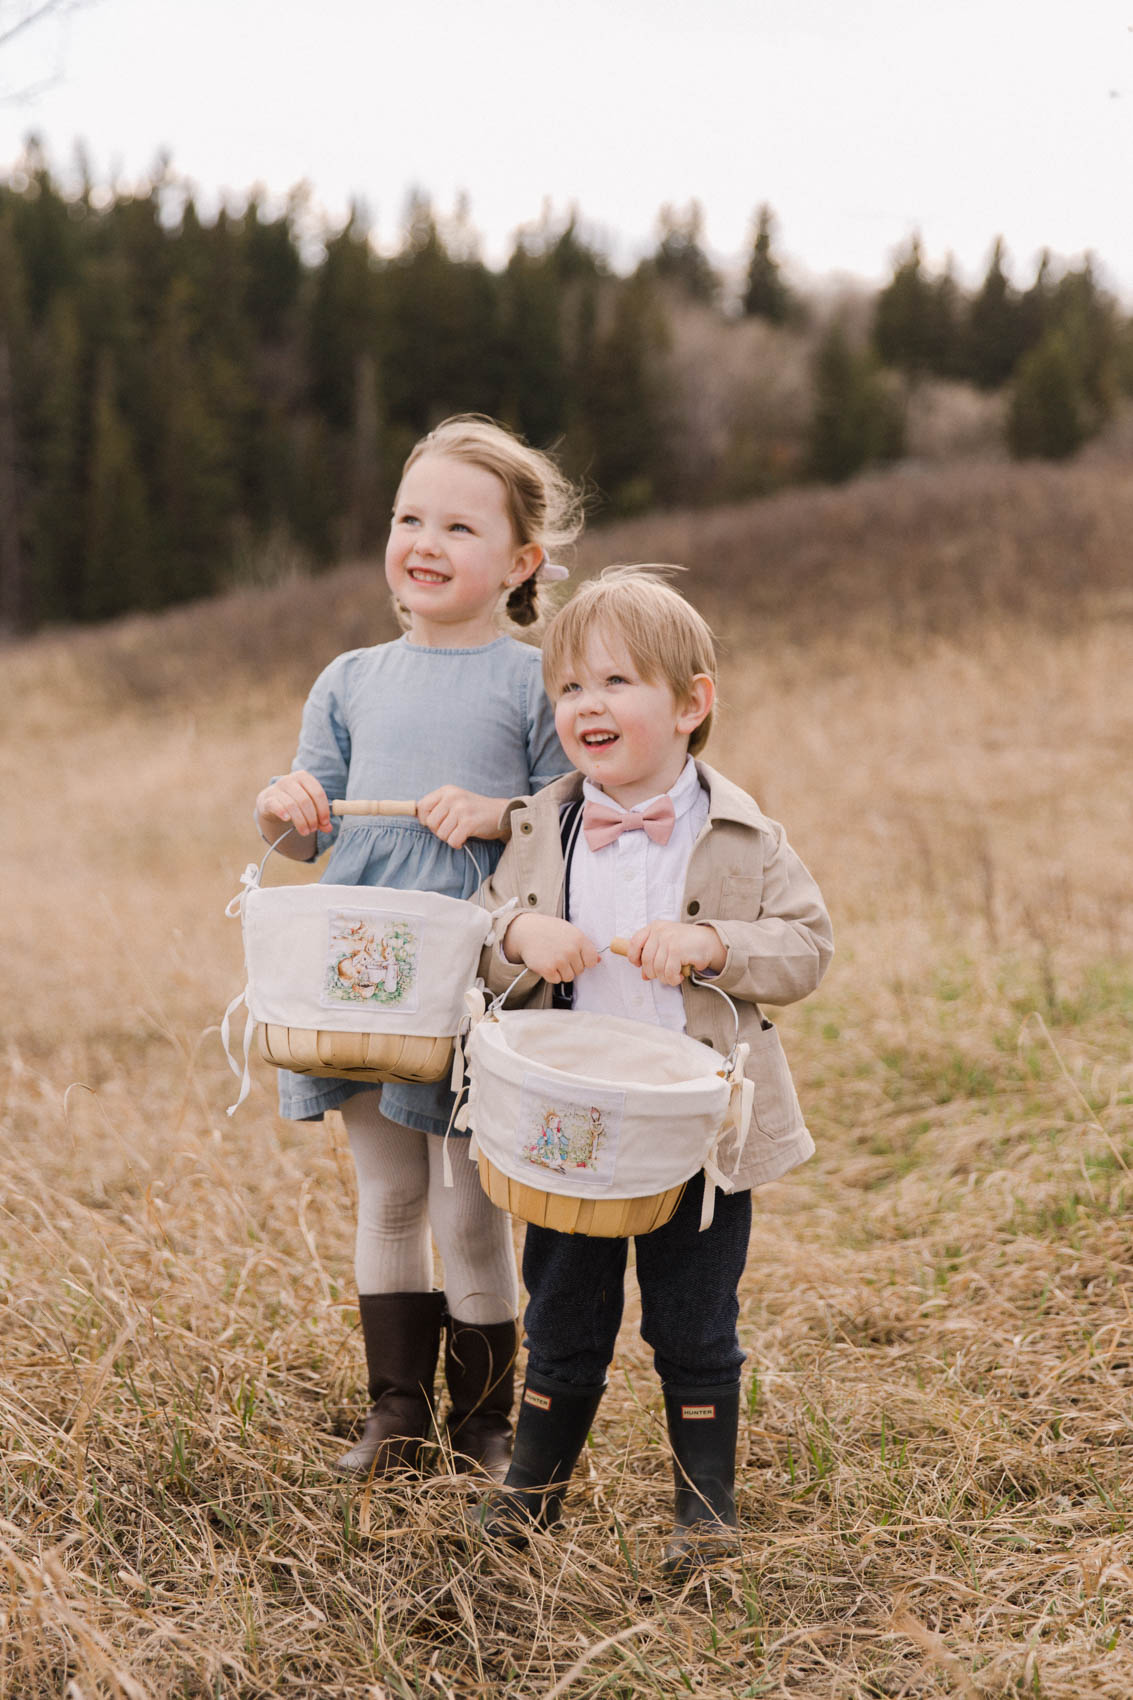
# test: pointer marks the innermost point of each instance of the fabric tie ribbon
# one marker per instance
(602, 825)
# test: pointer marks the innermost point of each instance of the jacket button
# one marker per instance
(525, 826)
(693, 907)
(532, 898)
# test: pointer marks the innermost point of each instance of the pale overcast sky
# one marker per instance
(860, 121)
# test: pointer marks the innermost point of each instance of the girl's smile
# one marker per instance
(452, 552)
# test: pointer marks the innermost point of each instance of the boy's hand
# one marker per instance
(296, 800)
(663, 948)
(457, 815)
(551, 948)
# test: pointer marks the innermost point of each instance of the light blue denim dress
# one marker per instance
(397, 721)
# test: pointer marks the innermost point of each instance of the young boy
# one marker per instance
(681, 862)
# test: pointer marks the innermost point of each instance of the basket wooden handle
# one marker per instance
(620, 947)
(359, 806)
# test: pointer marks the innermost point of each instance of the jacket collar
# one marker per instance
(726, 800)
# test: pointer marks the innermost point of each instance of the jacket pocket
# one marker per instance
(776, 1110)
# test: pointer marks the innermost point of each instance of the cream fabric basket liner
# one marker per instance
(360, 959)
(595, 1106)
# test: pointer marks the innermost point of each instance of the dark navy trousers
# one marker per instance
(689, 1303)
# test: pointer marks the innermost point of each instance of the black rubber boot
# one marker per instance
(480, 1373)
(402, 1335)
(703, 1425)
(554, 1420)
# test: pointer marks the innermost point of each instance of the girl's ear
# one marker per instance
(697, 706)
(524, 562)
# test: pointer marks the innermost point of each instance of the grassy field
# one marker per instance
(928, 677)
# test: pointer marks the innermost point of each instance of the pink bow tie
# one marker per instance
(602, 825)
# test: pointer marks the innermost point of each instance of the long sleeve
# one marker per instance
(782, 951)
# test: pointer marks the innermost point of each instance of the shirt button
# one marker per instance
(532, 898)
(693, 908)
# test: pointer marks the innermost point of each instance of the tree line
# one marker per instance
(188, 401)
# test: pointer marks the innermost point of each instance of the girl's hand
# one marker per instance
(663, 948)
(551, 948)
(457, 815)
(296, 800)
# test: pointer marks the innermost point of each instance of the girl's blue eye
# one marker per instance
(459, 525)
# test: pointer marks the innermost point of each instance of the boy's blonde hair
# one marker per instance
(665, 636)
(542, 504)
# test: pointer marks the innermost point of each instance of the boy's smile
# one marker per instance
(626, 733)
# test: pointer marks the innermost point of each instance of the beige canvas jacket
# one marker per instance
(746, 882)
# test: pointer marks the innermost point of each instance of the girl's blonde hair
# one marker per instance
(542, 504)
(665, 636)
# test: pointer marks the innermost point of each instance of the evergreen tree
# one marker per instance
(365, 512)
(1088, 319)
(342, 320)
(45, 233)
(906, 317)
(1036, 304)
(61, 427)
(856, 419)
(273, 271)
(194, 487)
(117, 555)
(946, 325)
(623, 403)
(995, 326)
(1123, 357)
(533, 355)
(439, 348)
(679, 259)
(575, 260)
(14, 597)
(1047, 415)
(766, 295)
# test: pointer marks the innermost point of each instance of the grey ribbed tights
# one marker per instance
(402, 1196)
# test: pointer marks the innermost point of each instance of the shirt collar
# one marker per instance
(683, 794)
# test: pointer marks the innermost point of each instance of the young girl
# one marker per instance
(452, 700)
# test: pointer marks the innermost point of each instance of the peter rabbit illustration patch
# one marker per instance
(575, 1135)
(371, 959)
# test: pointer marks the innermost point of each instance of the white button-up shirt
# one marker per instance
(616, 890)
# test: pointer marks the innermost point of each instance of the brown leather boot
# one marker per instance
(402, 1335)
(480, 1372)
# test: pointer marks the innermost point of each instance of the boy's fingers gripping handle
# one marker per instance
(620, 947)
(359, 806)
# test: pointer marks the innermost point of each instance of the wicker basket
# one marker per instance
(359, 983)
(603, 1218)
(593, 1124)
(410, 1057)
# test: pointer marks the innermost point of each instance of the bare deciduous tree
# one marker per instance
(17, 17)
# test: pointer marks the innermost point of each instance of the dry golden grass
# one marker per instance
(937, 1446)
